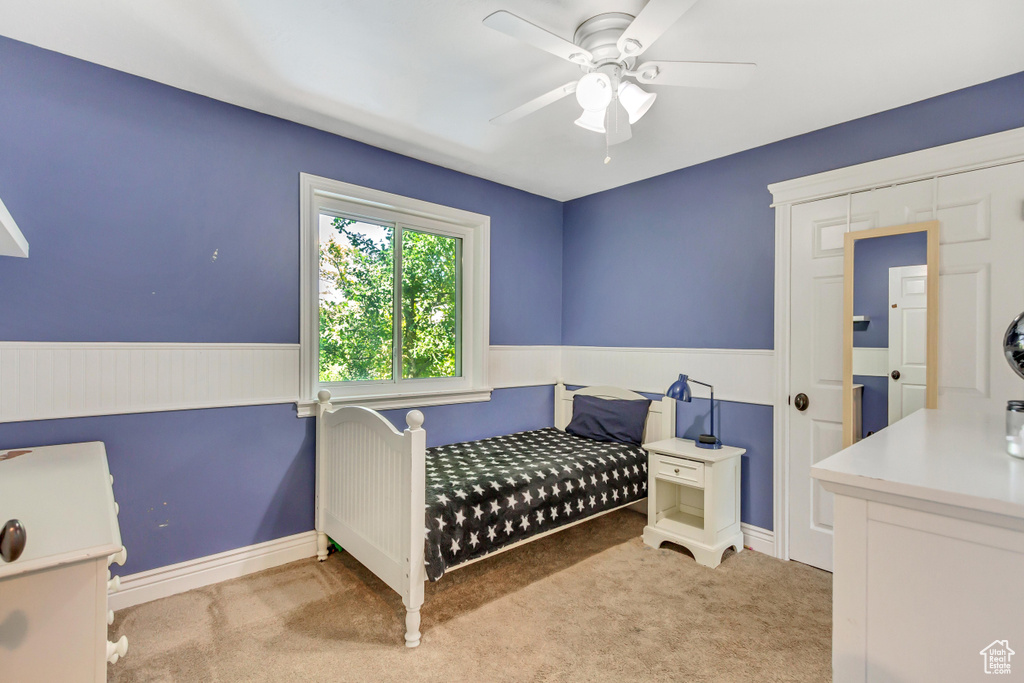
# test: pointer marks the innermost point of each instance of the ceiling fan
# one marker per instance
(606, 47)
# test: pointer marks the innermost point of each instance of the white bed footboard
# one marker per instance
(370, 490)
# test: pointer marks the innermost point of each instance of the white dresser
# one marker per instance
(929, 551)
(53, 599)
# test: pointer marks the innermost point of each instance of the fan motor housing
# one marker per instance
(599, 36)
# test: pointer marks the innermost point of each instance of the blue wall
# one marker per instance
(124, 189)
(708, 233)
(196, 482)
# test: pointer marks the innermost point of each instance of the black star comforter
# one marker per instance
(484, 495)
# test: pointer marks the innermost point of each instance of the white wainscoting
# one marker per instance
(744, 375)
(44, 380)
(204, 571)
(524, 366)
(871, 361)
(50, 380)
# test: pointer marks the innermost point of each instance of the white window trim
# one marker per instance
(317, 194)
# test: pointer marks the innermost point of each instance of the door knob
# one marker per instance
(12, 540)
(801, 402)
(895, 374)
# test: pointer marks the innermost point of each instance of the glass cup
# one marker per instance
(1015, 428)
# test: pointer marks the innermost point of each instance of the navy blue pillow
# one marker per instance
(606, 419)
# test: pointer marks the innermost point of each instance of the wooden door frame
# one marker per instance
(968, 155)
(850, 239)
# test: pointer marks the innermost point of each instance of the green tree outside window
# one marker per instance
(358, 335)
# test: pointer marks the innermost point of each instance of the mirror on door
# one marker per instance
(890, 326)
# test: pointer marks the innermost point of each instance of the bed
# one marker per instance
(411, 514)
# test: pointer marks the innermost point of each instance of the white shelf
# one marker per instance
(862, 318)
(676, 521)
(12, 242)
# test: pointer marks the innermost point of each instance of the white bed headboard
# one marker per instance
(661, 418)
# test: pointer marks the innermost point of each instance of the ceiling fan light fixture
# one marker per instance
(592, 119)
(635, 100)
(594, 92)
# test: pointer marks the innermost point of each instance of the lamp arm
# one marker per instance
(705, 384)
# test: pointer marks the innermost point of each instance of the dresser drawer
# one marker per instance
(680, 470)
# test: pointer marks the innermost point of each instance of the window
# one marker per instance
(394, 298)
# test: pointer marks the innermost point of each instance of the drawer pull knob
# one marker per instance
(120, 557)
(117, 650)
(12, 540)
(677, 470)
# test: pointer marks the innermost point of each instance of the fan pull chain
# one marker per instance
(607, 132)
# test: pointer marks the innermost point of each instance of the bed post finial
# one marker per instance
(323, 396)
(414, 419)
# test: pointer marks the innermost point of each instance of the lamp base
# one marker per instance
(708, 441)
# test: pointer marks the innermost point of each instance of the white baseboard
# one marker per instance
(204, 571)
(232, 564)
(758, 539)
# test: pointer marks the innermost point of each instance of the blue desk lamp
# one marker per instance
(680, 391)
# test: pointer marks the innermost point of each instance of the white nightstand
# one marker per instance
(693, 498)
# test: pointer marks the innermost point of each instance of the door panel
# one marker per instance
(982, 285)
(816, 362)
(907, 203)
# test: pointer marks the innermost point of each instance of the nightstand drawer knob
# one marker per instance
(677, 470)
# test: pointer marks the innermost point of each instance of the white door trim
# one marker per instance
(983, 152)
(957, 157)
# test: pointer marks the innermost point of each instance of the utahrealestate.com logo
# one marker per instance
(997, 657)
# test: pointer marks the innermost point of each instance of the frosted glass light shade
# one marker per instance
(592, 120)
(635, 100)
(594, 91)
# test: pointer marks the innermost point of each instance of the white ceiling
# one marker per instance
(423, 77)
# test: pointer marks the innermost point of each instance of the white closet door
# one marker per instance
(816, 345)
(981, 288)
(816, 362)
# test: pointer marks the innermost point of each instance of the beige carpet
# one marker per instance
(591, 603)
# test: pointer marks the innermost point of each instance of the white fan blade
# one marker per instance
(717, 75)
(511, 25)
(654, 19)
(617, 125)
(535, 104)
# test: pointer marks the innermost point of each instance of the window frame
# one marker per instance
(323, 195)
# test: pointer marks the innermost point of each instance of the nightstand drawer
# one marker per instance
(682, 471)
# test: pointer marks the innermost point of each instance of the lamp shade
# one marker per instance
(594, 91)
(592, 120)
(680, 390)
(635, 100)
